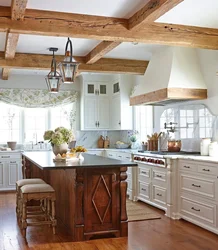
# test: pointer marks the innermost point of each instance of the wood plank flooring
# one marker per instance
(159, 234)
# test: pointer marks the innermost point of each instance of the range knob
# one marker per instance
(162, 162)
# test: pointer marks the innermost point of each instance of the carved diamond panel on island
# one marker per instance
(101, 198)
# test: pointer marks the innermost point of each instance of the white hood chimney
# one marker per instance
(172, 75)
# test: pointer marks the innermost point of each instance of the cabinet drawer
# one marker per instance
(110, 154)
(123, 156)
(158, 175)
(144, 174)
(188, 166)
(159, 195)
(208, 170)
(198, 186)
(144, 190)
(96, 152)
(198, 210)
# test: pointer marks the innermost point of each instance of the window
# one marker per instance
(35, 124)
(62, 116)
(191, 121)
(29, 124)
(10, 123)
(144, 121)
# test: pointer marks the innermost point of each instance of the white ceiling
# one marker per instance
(189, 12)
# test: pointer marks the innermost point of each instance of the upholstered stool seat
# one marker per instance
(21, 183)
(38, 192)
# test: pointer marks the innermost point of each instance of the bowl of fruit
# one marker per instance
(120, 144)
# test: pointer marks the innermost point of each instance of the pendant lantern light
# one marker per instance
(69, 67)
(53, 79)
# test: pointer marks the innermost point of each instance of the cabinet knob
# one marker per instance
(119, 123)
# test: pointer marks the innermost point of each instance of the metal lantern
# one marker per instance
(53, 79)
(69, 66)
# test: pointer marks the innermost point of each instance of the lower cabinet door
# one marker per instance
(144, 191)
(102, 205)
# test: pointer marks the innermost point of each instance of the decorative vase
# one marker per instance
(60, 149)
(12, 144)
(134, 145)
(80, 156)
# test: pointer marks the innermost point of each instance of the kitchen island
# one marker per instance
(90, 194)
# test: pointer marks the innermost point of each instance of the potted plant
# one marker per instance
(133, 136)
(59, 139)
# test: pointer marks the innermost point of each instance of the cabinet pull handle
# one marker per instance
(160, 176)
(194, 185)
(98, 124)
(12, 161)
(186, 166)
(198, 210)
(120, 156)
(208, 170)
(8, 156)
(110, 155)
(159, 194)
(143, 172)
(143, 189)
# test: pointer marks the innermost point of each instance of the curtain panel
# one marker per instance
(33, 98)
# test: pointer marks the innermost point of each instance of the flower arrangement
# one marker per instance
(79, 149)
(133, 134)
(59, 136)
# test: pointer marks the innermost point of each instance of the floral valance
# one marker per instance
(33, 98)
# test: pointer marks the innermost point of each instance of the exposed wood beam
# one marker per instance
(110, 29)
(149, 13)
(100, 50)
(18, 8)
(104, 65)
(152, 11)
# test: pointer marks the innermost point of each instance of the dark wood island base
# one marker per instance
(90, 196)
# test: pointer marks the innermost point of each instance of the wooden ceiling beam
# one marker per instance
(110, 29)
(18, 8)
(151, 12)
(100, 50)
(104, 65)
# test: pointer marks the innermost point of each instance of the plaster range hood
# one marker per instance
(173, 75)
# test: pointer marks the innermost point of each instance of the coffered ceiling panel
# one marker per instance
(113, 8)
(133, 51)
(40, 45)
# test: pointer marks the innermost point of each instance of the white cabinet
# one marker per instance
(10, 170)
(95, 106)
(198, 193)
(121, 111)
(152, 185)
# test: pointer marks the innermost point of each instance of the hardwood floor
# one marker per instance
(160, 234)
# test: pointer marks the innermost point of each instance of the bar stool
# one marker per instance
(38, 192)
(19, 184)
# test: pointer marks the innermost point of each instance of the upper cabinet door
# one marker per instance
(96, 89)
(90, 114)
(116, 88)
(90, 89)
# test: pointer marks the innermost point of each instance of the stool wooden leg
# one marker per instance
(54, 222)
(24, 222)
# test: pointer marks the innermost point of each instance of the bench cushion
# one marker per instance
(23, 182)
(36, 188)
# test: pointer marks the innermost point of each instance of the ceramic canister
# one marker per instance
(205, 146)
